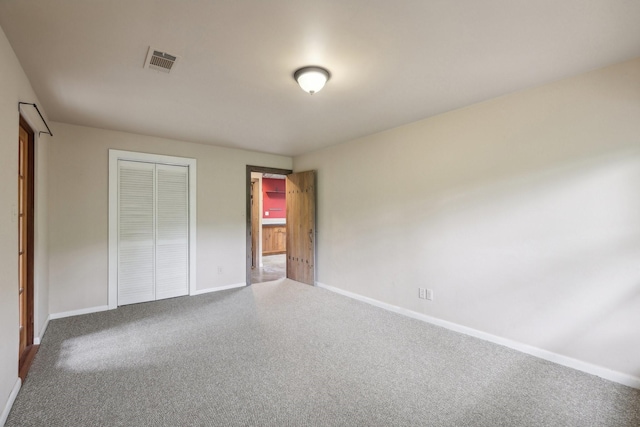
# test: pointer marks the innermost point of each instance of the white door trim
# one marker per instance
(114, 156)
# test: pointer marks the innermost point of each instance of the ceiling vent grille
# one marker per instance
(160, 61)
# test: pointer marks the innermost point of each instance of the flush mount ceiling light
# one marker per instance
(311, 79)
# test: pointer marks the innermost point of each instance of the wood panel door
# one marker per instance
(25, 243)
(301, 227)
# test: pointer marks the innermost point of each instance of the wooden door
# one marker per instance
(255, 222)
(301, 227)
(25, 243)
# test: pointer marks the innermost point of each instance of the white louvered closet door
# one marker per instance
(153, 231)
(136, 232)
(172, 231)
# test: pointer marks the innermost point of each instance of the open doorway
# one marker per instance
(268, 227)
(266, 224)
(300, 229)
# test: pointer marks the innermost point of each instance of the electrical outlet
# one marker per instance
(422, 293)
(430, 294)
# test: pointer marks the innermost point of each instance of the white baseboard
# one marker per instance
(106, 307)
(37, 340)
(78, 312)
(219, 288)
(9, 405)
(570, 362)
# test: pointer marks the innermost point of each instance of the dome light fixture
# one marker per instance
(311, 79)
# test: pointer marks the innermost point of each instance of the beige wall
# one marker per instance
(521, 213)
(15, 87)
(78, 217)
(41, 231)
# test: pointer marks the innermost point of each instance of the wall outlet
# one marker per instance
(422, 293)
(430, 294)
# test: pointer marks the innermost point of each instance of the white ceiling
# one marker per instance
(392, 62)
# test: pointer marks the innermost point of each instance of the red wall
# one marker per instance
(272, 202)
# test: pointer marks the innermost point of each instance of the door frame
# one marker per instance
(24, 359)
(263, 170)
(114, 156)
(255, 222)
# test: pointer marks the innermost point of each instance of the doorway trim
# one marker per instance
(259, 169)
(114, 156)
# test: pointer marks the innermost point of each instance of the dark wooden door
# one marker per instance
(301, 227)
(25, 243)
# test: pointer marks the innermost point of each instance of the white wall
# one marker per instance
(78, 216)
(15, 87)
(41, 237)
(521, 213)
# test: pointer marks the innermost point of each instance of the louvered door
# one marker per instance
(136, 232)
(153, 231)
(172, 231)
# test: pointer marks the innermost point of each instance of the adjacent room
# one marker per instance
(268, 227)
(327, 213)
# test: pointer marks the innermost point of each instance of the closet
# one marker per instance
(152, 231)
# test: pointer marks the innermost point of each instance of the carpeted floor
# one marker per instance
(285, 354)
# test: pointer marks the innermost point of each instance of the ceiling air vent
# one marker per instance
(159, 61)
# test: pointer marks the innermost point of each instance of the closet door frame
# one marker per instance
(114, 157)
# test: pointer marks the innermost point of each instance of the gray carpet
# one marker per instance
(286, 354)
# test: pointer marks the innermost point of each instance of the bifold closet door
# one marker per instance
(172, 231)
(153, 231)
(136, 232)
